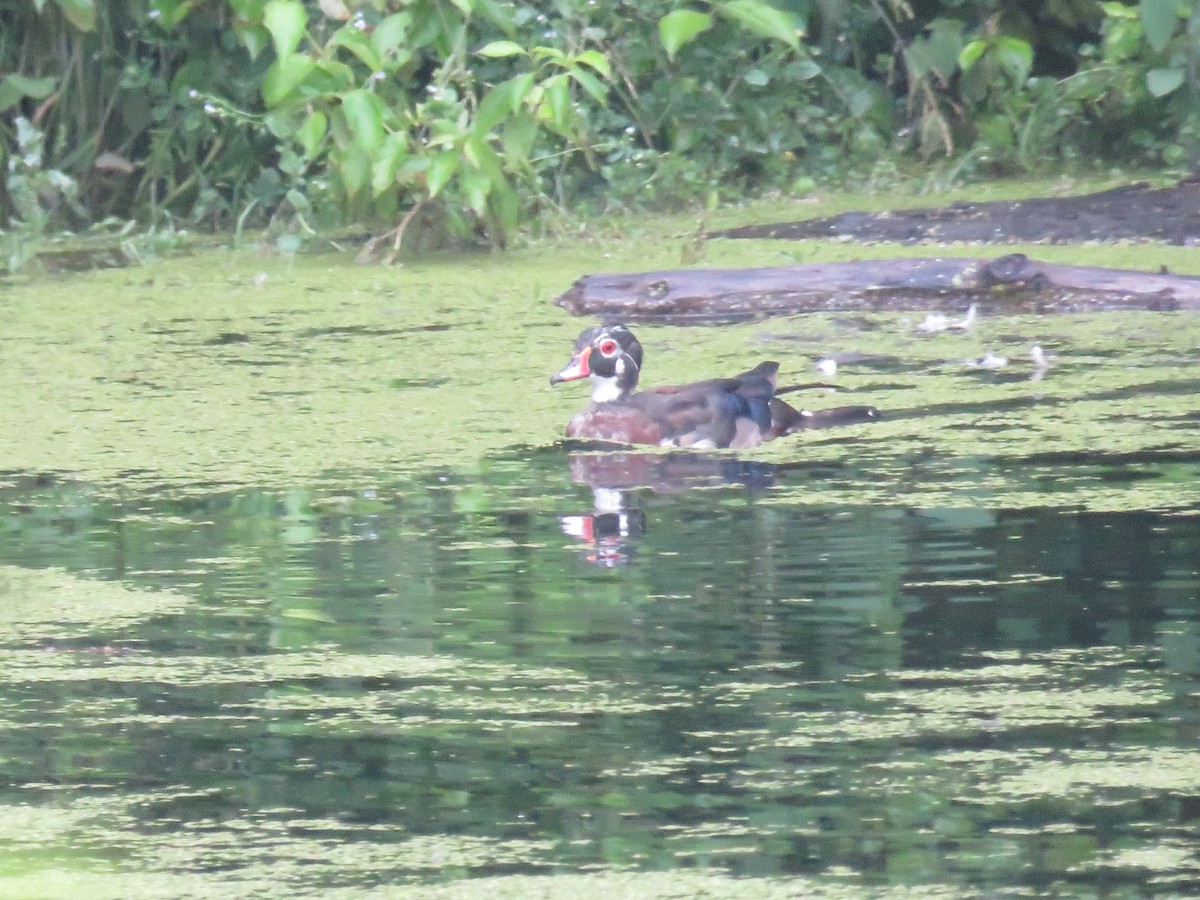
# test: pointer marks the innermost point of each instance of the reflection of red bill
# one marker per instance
(606, 545)
(577, 527)
(600, 527)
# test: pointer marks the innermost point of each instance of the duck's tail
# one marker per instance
(786, 419)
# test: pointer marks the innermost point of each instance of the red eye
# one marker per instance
(608, 347)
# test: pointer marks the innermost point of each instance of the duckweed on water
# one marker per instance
(235, 367)
(48, 603)
(289, 608)
(595, 886)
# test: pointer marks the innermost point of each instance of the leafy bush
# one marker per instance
(418, 117)
(33, 192)
(1033, 83)
(705, 109)
(406, 108)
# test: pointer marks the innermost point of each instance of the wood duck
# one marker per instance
(737, 412)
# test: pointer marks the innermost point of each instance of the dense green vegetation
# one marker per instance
(478, 116)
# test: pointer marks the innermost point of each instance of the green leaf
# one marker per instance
(355, 169)
(15, 88)
(284, 76)
(286, 20)
(391, 33)
(590, 83)
(283, 122)
(1117, 10)
(1159, 19)
(498, 49)
(475, 186)
(388, 162)
(501, 102)
(80, 13)
(498, 14)
(1161, 82)
(551, 53)
(169, 13)
(411, 171)
(426, 27)
(557, 98)
(762, 19)
(860, 102)
(470, 151)
(253, 37)
(357, 42)
(937, 51)
(971, 53)
(332, 77)
(365, 113)
(247, 10)
(439, 172)
(757, 78)
(681, 27)
(481, 155)
(596, 61)
(312, 132)
(996, 132)
(1016, 56)
(298, 200)
(804, 70)
(520, 133)
(485, 162)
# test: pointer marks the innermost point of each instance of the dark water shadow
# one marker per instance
(405, 680)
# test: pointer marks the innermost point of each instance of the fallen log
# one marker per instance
(1011, 283)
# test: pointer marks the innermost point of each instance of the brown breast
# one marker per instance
(616, 422)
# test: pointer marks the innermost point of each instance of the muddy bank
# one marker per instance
(1130, 212)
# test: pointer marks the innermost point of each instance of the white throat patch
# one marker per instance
(605, 390)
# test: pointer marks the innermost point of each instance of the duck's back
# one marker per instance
(722, 412)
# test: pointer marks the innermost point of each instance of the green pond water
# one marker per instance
(302, 595)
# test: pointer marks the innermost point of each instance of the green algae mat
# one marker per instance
(302, 594)
(237, 367)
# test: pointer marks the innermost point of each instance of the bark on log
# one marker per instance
(1012, 283)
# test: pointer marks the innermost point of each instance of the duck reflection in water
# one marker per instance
(610, 532)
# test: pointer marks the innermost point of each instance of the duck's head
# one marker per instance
(611, 356)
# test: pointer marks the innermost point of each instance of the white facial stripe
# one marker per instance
(625, 361)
